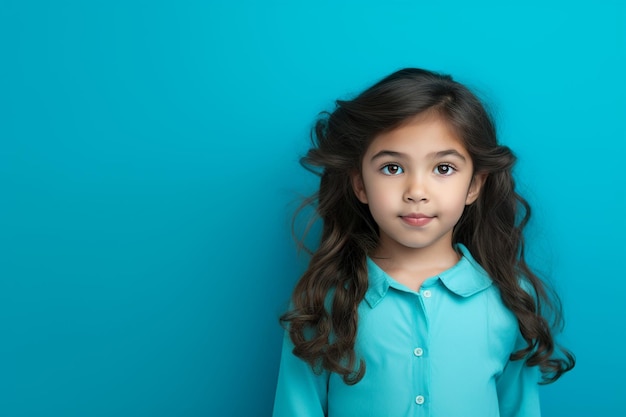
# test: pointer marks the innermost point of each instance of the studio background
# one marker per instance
(149, 170)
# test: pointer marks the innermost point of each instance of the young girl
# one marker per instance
(418, 300)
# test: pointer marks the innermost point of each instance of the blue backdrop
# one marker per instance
(149, 168)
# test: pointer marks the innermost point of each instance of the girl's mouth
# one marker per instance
(418, 220)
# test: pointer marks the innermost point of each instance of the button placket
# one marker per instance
(421, 363)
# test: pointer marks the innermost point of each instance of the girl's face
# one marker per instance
(416, 180)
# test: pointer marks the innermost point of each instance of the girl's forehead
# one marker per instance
(419, 134)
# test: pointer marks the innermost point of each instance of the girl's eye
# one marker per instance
(392, 169)
(444, 169)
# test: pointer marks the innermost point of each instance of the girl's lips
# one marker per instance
(416, 219)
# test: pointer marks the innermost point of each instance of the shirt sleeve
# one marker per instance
(518, 390)
(299, 391)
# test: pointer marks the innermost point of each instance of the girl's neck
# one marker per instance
(412, 266)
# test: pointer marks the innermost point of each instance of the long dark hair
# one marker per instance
(322, 322)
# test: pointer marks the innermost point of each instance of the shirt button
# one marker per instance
(418, 351)
(427, 293)
(419, 400)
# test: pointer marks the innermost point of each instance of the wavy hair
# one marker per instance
(323, 319)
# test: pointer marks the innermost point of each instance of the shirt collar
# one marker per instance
(466, 278)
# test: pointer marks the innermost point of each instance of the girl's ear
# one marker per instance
(475, 187)
(358, 186)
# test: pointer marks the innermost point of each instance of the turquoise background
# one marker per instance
(149, 169)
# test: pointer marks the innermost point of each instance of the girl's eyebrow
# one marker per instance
(433, 155)
(448, 152)
(388, 153)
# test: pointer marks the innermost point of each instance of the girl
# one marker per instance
(418, 300)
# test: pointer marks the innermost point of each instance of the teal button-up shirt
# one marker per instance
(440, 352)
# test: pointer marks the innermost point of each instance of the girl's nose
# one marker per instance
(415, 190)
